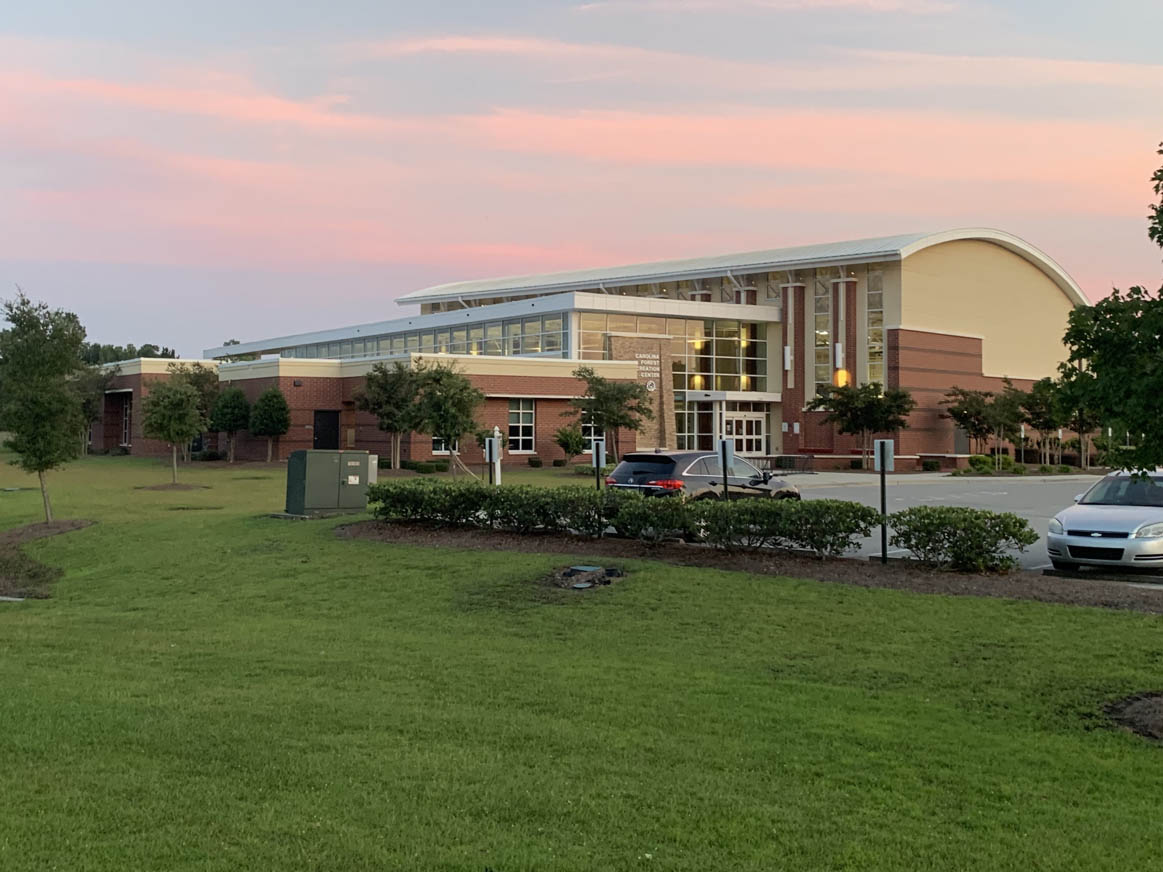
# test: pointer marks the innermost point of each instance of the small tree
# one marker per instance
(969, 410)
(446, 408)
(204, 379)
(231, 413)
(1042, 408)
(391, 393)
(1005, 416)
(170, 413)
(571, 441)
(270, 417)
(610, 405)
(865, 410)
(39, 356)
(90, 384)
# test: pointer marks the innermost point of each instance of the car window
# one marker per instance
(742, 469)
(644, 464)
(702, 466)
(1126, 490)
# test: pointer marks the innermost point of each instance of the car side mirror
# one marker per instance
(1078, 497)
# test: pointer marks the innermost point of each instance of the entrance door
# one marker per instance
(749, 430)
(326, 430)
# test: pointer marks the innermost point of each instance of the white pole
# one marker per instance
(497, 459)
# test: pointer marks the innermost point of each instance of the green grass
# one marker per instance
(216, 690)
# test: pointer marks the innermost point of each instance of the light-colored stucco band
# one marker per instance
(154, 365)
(979, 288)
(468, 364)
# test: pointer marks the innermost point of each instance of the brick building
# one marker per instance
(731, 346)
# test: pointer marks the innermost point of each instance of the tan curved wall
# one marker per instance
(974, 288)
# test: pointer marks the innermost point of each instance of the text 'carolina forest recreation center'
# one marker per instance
(730, 346)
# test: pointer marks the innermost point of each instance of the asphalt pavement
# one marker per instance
(1033, 497)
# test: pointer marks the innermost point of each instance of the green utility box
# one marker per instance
(322, 481)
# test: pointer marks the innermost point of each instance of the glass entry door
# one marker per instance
(749, 430)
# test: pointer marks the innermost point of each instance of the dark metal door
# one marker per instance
(326, 431)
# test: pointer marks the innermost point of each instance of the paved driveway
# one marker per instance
(1035, 498)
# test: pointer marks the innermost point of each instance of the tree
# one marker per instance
(39, 355)
(1115, 366)
(571, 441)
(96, 352)
(391, 393)
(865, 410)
(610, 405)
(270, 417)
(170, 413)
(231, 413)
(1043, 410)
(969, 410)
(446, 407)
(204, 380)
(90, 384)
(1005, 417)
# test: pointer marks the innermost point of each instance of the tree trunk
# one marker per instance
(44, 496)
(270, 447)
(174, 454)
(230, 448)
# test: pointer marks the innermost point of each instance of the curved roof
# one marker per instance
(883, 248)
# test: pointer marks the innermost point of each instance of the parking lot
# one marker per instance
(1035, 498)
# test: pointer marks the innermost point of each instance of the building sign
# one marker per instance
(649, 365)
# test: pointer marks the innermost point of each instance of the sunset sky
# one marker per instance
(183, 173)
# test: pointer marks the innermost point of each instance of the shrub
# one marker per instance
(587, 469)
(589, 511)
(1063, 469)
(559, 462)
(1045, 469)
(962, 538)
(980, 463)
(856, 463)
(830, 528)
(439, 465)
(1006, 462)
(408, 464)
(385, 463)
(654, 519)
(1018, 469)
(743, 524)
(931, 465)
(520, 508)
(535, 462)
(208, 454)
(425, 468)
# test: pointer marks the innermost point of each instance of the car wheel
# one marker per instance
(1064, 566)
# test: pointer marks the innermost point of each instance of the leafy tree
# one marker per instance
(392, 393)
(969, 410)
(1115, 366)
(865, 411)
(170, 413)
(486, 433)
(571, 441)
(446, 408)
(39, 356)
(1074, 398)
(90, 384)
(96, 352)
(611, 405)
(270, 417)
(1043, 410)
(231, 413)
(204, 380)
(1005, 417)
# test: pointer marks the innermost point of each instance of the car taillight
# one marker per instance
(610, 480)
(666, 483)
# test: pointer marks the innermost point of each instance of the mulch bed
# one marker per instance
(21, 575)
(1142, 714)
(862, 573)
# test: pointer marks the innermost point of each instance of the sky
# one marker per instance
(183, 173)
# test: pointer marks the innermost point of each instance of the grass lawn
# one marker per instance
(214, 690)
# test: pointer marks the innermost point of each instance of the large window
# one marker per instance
(822, 327)
(875, 304)
(589, 434)
(521, 426)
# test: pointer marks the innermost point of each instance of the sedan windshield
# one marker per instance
(1126, 490)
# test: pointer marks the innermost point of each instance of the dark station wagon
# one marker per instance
(696, 475)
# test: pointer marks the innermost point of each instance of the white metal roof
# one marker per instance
(882, 248)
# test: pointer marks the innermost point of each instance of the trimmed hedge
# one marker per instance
(827, 528)
(957, 537)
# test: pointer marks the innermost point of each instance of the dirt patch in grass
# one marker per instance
(180, 486)
(1141, 714)
(862, 573)
(21, 575)
(194, 508)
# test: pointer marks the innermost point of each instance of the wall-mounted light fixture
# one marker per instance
(297, 383)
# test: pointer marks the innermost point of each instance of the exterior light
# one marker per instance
(842, 378)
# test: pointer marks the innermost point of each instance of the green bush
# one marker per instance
(931, 465)
(535, 462)
(440, 465)
(1063, 469)
(743, 524)
(587, 469)
(559, 462)
(980, 463)
(408, 464)
(520, 508)
(654, 519)
(830, 528)
(1018, 469)
(208, 454)
(856, 463)
(1045, 469)
(425, 468)
(589, 511)
(961, 538)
